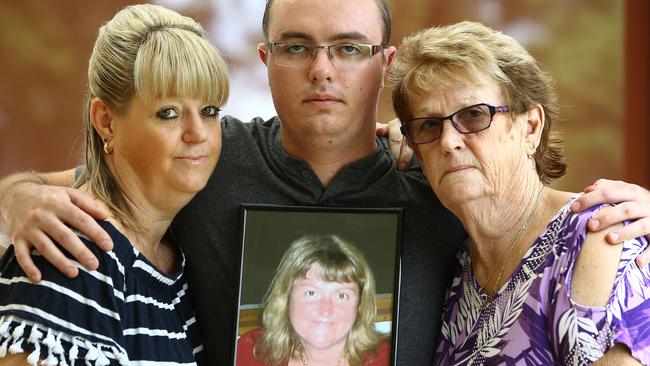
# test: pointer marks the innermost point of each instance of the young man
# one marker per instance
(321, 150)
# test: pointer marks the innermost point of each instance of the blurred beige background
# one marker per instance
(45, 46)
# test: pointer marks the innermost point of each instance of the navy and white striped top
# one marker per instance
(125, 312)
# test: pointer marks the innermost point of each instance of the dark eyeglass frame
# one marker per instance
(312, 49)
(492, 109)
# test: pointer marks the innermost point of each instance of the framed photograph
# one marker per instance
(318, 260)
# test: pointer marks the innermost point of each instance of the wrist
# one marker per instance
(8, 188)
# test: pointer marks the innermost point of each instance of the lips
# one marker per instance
(192, 158)
(322, 98)
(457, 168)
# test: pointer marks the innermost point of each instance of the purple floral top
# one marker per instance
(533, 320)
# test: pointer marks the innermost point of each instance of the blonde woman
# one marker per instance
(319, 310)
(153, 138)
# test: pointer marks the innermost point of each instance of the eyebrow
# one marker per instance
(308, 283)
(355, 36)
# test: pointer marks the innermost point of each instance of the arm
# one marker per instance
(34, 214)
(617, 356)
(595, 270)
(593, 279)
(399, 148)
(634, 204)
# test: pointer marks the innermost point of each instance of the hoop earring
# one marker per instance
(108, 149)
(531, 155)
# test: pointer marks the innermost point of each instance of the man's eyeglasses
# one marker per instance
(470, 119)
(299, 55)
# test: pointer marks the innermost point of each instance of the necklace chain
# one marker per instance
(500, 264)
(305, 362)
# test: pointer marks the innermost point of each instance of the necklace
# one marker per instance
(305, 362)
(494, 289)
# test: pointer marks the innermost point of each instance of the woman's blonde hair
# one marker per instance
(339, 262)
(152, 52)
(463, 53)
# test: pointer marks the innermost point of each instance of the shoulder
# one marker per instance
(595, 270)
(598, 264)
(251, 336)
(68, 298)
(245, 346)
(381, 357)
(232, 125)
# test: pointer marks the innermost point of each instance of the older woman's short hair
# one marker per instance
(152, 52)
(465, 52)
(339, 262)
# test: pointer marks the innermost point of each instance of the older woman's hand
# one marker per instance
(633, 203)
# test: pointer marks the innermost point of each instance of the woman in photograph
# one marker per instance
(320, 309)
(532, 285)
(153, 138)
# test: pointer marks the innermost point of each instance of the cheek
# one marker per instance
(428, 161)
(145, 151)
(298, 310)
(348, 311)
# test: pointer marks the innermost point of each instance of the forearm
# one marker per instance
(7, 186)
(617, 356)
(13, 182)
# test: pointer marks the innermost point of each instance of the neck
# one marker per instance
(151, 217)
(327, 154)
(506, 221)
(333, 356)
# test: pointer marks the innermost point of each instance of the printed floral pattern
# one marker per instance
(533, 320)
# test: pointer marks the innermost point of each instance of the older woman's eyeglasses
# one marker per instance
(300, 55)
(470, 119)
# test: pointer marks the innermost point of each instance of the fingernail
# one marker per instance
(71, 271)
(575, 206)
(595, 224)
(91, 262)
(34, 277)
(614, 236)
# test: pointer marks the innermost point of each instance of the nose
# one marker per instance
(325, 306)
(195, 131)
(450, 138)
(321, 68)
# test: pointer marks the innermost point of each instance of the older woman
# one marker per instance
(319, 310)
(152, 140)
(532, 285)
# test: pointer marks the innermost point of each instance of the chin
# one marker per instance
(192, 186)
(457, 194)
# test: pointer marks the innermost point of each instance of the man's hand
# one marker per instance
(633, 203)
(36, 216)
(399, 148)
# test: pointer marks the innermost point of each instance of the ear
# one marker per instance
(262, 49)
(534, 128)
(389, 53)
(101, 117)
